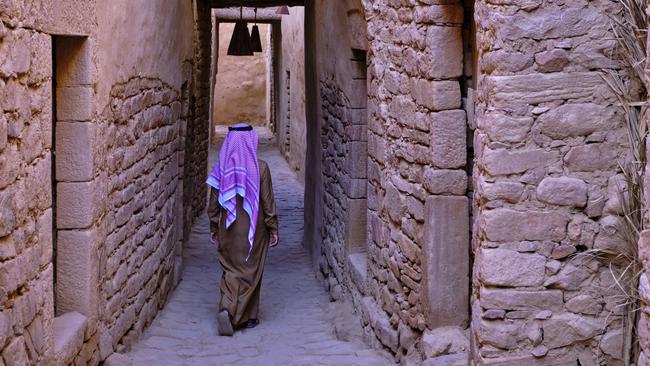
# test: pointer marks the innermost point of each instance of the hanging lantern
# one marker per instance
(282, 10)
(256, 41)
(240, 43)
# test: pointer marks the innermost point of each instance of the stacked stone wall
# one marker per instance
(414, 175)
(335, 151)
(120, 201)
(142, 170)
(344, 160)
(197, 131)
(26, 271)
(417, 150)
(548, 143)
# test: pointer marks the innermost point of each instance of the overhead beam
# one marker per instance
(255, 3)
(233, 14)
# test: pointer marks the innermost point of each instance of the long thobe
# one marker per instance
(241, 279)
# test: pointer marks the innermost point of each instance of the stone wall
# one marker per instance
(197, 131)
(418, 211)
(26, 271)
(90, 240)
(240, 92)
(548, 142)
(142, 170)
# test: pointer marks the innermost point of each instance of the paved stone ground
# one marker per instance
(296, 322)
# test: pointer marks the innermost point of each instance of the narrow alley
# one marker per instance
(458, 182)
(297, 320)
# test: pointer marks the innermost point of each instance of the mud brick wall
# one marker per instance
(548, 141)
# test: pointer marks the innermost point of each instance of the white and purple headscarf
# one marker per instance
(237, 173)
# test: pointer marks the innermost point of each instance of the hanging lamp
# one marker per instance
(282, 10)
(240, 43)
(256, 41)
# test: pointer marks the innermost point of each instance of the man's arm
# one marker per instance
(267, 200)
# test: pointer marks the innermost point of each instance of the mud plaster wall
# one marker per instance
(291, 124)
(240, 86)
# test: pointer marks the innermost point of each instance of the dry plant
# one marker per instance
(629, 86)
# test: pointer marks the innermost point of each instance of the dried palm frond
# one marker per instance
(630, 29)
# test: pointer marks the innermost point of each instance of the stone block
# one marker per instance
(500, 190)
(563, 191)
(358, 93)
(498, 225)
(76, 205)
(570, 277)
(74, 151)
(15, 353)
(69, 331)
(552, 61)
(501, 334)
(358, 265)
(612, 343)
(443, 56)
(437, 95)
(584, 304)
(36, 336)
(580, 119)
(357, 116)
(394, 203)
(356, 224)
(444, 340)
(592, 157)
(77, 266)
(381, 324)
(504, 162)
(439, 14)
(74, 65)
(455, 359)
(564, 329)
(16, 55)
(118, 359)
(357, 188)
(7, 216)
(356, 161)
(3, 131)
(503, 128)
(508, 268)
(445, 262)
(448, 139)
(443, 181)
(74, 103)
(508, 299)
(5, 326)
(542, 88)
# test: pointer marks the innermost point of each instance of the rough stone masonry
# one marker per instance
(104, 137)
(98, 173)
(541, 171)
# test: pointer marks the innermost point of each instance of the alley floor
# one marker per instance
(297, 325)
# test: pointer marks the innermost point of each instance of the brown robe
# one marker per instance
(241, 280)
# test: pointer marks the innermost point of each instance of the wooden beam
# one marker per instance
(232, 15)
(255, 3)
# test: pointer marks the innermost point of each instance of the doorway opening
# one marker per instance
(241, 83)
